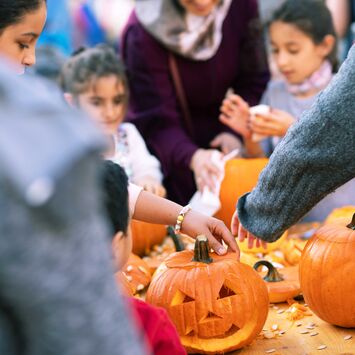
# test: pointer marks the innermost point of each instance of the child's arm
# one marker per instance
(154, 209)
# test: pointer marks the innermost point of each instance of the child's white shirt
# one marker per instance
(132, 154)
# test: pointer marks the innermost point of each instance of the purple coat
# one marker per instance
(240, 63)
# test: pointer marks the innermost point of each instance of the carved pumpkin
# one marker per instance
(217, 305)
(241, 176)
(282, 284)
(137, 273)
(327, 274)
(292, 250)
(338, 214)
(145, 235)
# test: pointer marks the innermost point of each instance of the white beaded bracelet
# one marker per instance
(180, 218)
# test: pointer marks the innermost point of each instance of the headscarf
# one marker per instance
(191, 36)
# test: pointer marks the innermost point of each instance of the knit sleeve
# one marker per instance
(315, 157)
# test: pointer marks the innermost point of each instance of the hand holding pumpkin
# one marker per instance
(215, 230)
(242, 233)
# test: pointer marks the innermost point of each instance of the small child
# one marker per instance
(159, 331)
(303, 42)
(94, 80)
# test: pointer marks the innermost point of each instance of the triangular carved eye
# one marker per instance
(233, 329)
(225, 292)
(180, 298)
(209, 317)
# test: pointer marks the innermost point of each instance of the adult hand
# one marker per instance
(242, 233)
(226, 142)
(275, 123)
(215, 230)
(205, 171)
(235, 114)
(152, 185)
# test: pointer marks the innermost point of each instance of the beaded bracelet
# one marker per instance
(180, 219)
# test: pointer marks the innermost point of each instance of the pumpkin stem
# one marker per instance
(351, 225)
(179, 245)
(201, 252)
(272, 274)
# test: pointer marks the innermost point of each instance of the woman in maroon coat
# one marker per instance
(216, 45)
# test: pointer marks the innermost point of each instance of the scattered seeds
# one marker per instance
(282, 332)
(304, 332)
(270, 351)
(269, 335)
(298, 324)
(129, 268)
(347, 337)
(311, 324)
(321, 347)
(280, 311)
(143, 269)
(129, 278)
(313, 334)
(140, 287)
(275, 307)
(309, 327)
(274, 327)
(306, 305)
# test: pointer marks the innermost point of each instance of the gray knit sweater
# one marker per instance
(316, 156)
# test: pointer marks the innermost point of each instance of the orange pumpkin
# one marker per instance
(292, 250)
(327, 274)
(124, 285)
(137, 273)
(338, 214)
(145, 235)
(282, 284)
(241, 176)
(217, 305)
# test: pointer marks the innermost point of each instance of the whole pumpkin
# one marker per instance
(145, 236)
(241, 176)
(124, 285)
(327, 274)
(217, 305)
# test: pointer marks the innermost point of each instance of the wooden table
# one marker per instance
(292, 342)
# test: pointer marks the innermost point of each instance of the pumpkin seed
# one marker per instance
(270, 351)
(321, 347)
(347, 337)
(129, 268)
(280, 311)
(309, 327)
(306, 305)
(140, 287)
(143, 269)
(275, 307)
(313, 334)
(269, 335)
(304, 332)
(282, 332)
(129, 278)
(312, 324)
(298, 324)
(274, 327)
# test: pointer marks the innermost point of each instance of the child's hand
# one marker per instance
(205, 171)
(226, 142)
(196, 223)
(275, 123)
(151, 185)
(238, 230)
(235, 114)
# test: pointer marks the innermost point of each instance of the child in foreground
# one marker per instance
(154, 322)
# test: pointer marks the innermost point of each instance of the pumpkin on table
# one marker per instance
(241, 176)
(145, 236)
(216, 303)
(136, 272)
(282, 284)
(327, 273)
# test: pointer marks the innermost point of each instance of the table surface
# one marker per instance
(292, 342)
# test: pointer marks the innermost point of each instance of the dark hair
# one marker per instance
(87, 65)
(12, 11)
(115, 196)
(313, 18)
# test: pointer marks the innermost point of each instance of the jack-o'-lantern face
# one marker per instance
(216, 307)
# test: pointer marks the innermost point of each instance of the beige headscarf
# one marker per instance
(191, 36)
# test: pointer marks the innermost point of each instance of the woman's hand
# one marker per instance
(226, 142)
(152, 185)
(275, 123)
(206, 172)
(238, 230)
(215, 230)
(235, 114)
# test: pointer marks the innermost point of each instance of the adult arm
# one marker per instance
(340, 10)
(315, 157)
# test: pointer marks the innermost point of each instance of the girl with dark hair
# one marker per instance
(303, 42)
(21, 23)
